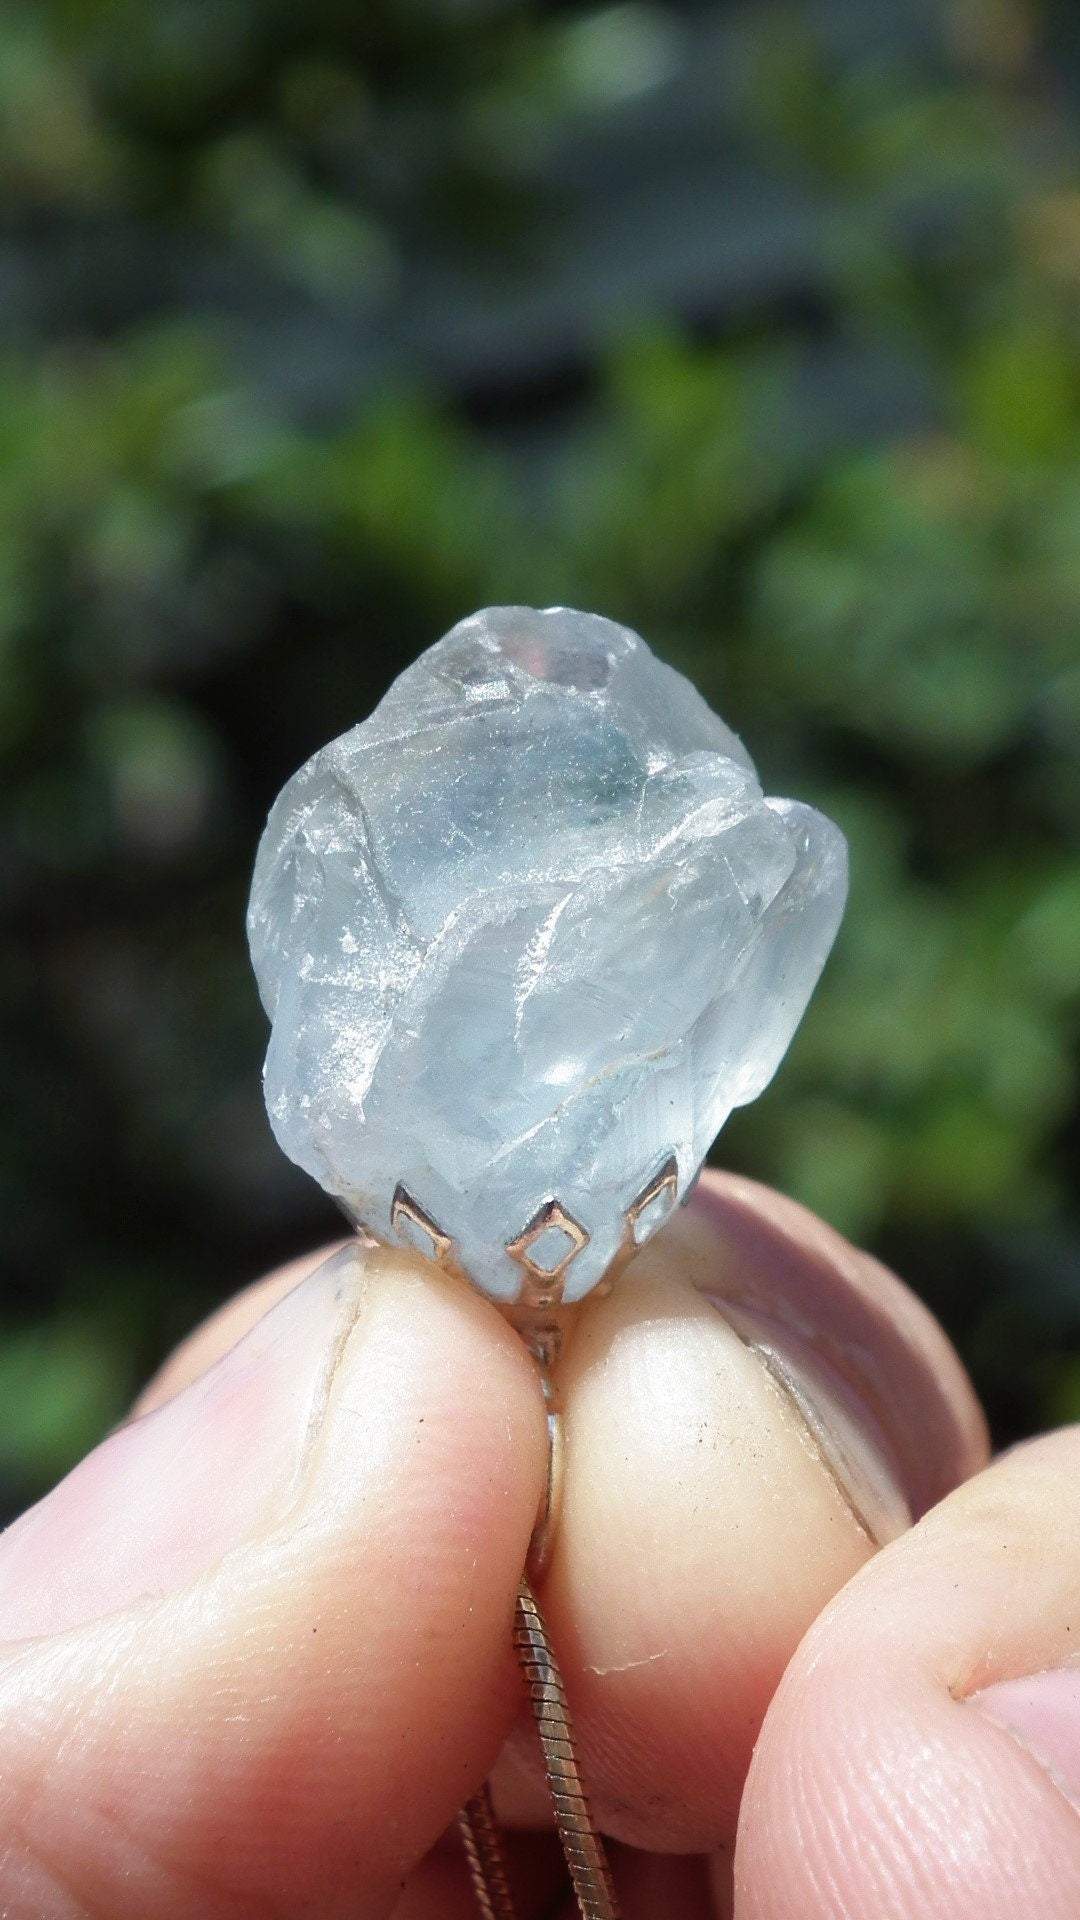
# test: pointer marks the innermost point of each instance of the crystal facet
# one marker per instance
(526, 936)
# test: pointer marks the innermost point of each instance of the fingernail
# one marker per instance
(835, 1423)
(799, 1314)
(165, 1497)
(1042, 1713)
(843, 1319)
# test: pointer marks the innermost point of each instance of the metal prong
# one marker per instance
(664, 1185)
(542, 1286)
(405, 1208)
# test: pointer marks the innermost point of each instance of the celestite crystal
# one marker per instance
(528, 934)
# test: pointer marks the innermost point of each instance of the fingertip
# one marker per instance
(754, 1408)
(906, 1765)
(297, 1723)
(874, 1791)
(700, 1533)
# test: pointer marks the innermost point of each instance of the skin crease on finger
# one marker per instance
(879, 1791)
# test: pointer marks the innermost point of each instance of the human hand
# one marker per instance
(256, 1648)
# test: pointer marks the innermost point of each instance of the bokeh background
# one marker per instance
(757, 326)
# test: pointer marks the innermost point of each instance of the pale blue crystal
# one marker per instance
(525, 934)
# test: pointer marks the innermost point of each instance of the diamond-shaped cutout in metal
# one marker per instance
(551, 1248)
(654, 1202)
(545, 1249)
(415, 1228)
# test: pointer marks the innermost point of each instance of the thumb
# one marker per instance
(255, 1650)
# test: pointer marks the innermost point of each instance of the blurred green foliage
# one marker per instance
(756, 327)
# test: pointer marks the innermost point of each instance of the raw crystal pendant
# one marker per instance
(526, 936)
